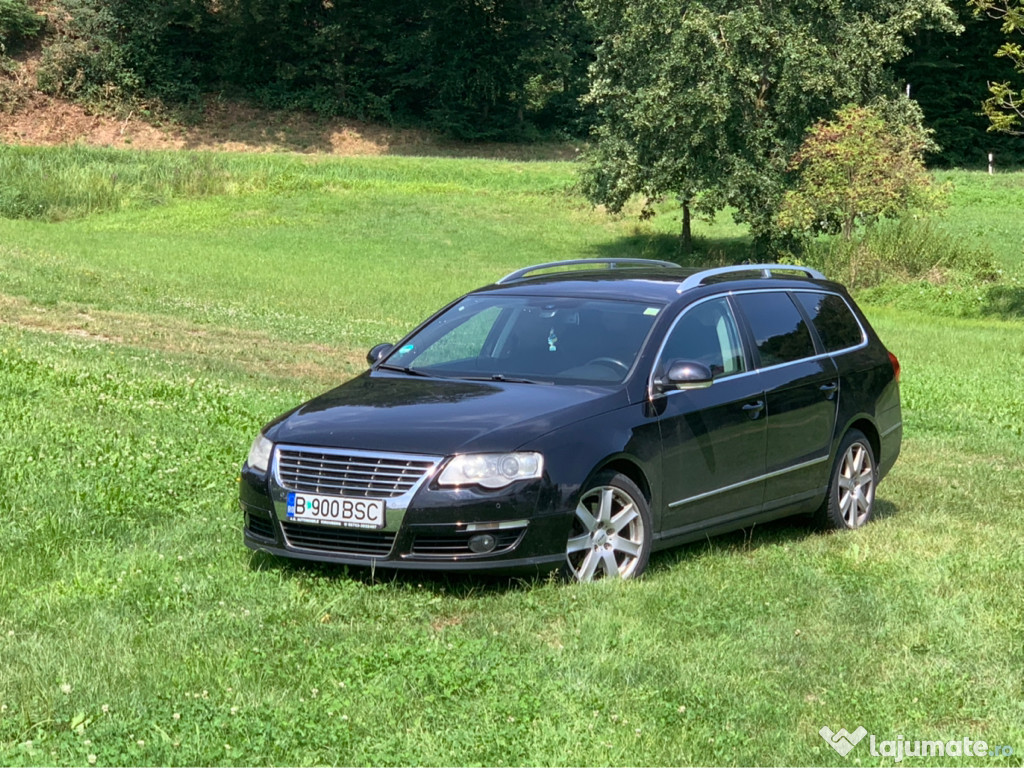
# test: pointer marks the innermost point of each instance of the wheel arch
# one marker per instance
(870, 431)
(625, 466)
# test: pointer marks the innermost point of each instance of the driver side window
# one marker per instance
(707, 333)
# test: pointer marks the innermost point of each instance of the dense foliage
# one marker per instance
(473, 68)
(485, 69)
(948, 75)
(18, 23)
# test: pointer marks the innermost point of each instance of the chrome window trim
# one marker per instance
(768, 476)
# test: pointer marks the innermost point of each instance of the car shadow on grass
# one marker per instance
(787, 530)
(448, 584)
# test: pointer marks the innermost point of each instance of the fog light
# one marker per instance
(482, 543)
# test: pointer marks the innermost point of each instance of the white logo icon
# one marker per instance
(843, 741)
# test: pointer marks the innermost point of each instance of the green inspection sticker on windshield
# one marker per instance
(652, 311)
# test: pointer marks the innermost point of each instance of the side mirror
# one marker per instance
(685, 374)
(379, 352)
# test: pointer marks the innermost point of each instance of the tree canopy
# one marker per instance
(707, 99)
(1005, 108)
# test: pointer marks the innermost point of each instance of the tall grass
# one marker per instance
(905, 250)
(69, 182)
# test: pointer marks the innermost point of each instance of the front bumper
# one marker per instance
(432, 533)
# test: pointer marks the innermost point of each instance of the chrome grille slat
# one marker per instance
(354, 463)
(350, 473)
(323, 485)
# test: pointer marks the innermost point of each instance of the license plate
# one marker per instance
(335, 510)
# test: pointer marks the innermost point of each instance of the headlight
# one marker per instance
(492, 470)
(259, 454)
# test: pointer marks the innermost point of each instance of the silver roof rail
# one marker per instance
(766, 270)
(519, 274)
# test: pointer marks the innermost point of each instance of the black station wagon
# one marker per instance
(580, 415)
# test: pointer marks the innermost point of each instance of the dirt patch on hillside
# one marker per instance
(30, 117)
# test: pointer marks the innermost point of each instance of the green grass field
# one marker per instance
(147, 334)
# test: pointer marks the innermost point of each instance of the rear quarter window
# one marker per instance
(833, 319)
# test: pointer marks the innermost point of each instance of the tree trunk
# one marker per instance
(848, 227)
(687, 233)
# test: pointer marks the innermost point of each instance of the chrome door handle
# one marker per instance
(753, 410)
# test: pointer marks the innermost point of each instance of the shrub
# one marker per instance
(18, 24)
(855, 170)
(85, 60)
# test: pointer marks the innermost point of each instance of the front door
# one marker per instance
(713, 439)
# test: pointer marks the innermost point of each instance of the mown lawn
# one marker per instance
(142, 346)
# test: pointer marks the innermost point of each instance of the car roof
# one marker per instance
(640, 284)
(642, 279)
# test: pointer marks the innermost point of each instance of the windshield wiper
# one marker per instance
(504, 379)
(403, 369)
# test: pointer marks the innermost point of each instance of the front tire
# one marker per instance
(851, 490)
(611, 531)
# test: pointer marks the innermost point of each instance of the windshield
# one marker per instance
(530, 338)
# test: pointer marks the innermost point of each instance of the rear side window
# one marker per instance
(779, 329)
(833, 319)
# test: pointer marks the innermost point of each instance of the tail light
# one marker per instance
(895, 366)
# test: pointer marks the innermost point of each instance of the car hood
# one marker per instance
(379, 411)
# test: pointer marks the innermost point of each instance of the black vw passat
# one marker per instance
(582, 414)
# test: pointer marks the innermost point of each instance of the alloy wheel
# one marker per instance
(856, 481)
(609, 535)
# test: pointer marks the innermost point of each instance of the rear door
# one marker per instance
(801, 386)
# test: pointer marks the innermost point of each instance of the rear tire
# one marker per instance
(611, 531)
(851, 490)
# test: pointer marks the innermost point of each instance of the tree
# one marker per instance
(1005, 108)
(707, 99)
(854, 170)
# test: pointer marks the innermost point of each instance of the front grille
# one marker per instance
(341, 473)
(456, 544)
(340, 541)
(259, 525)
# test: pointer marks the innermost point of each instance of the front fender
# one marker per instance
(574, 454)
